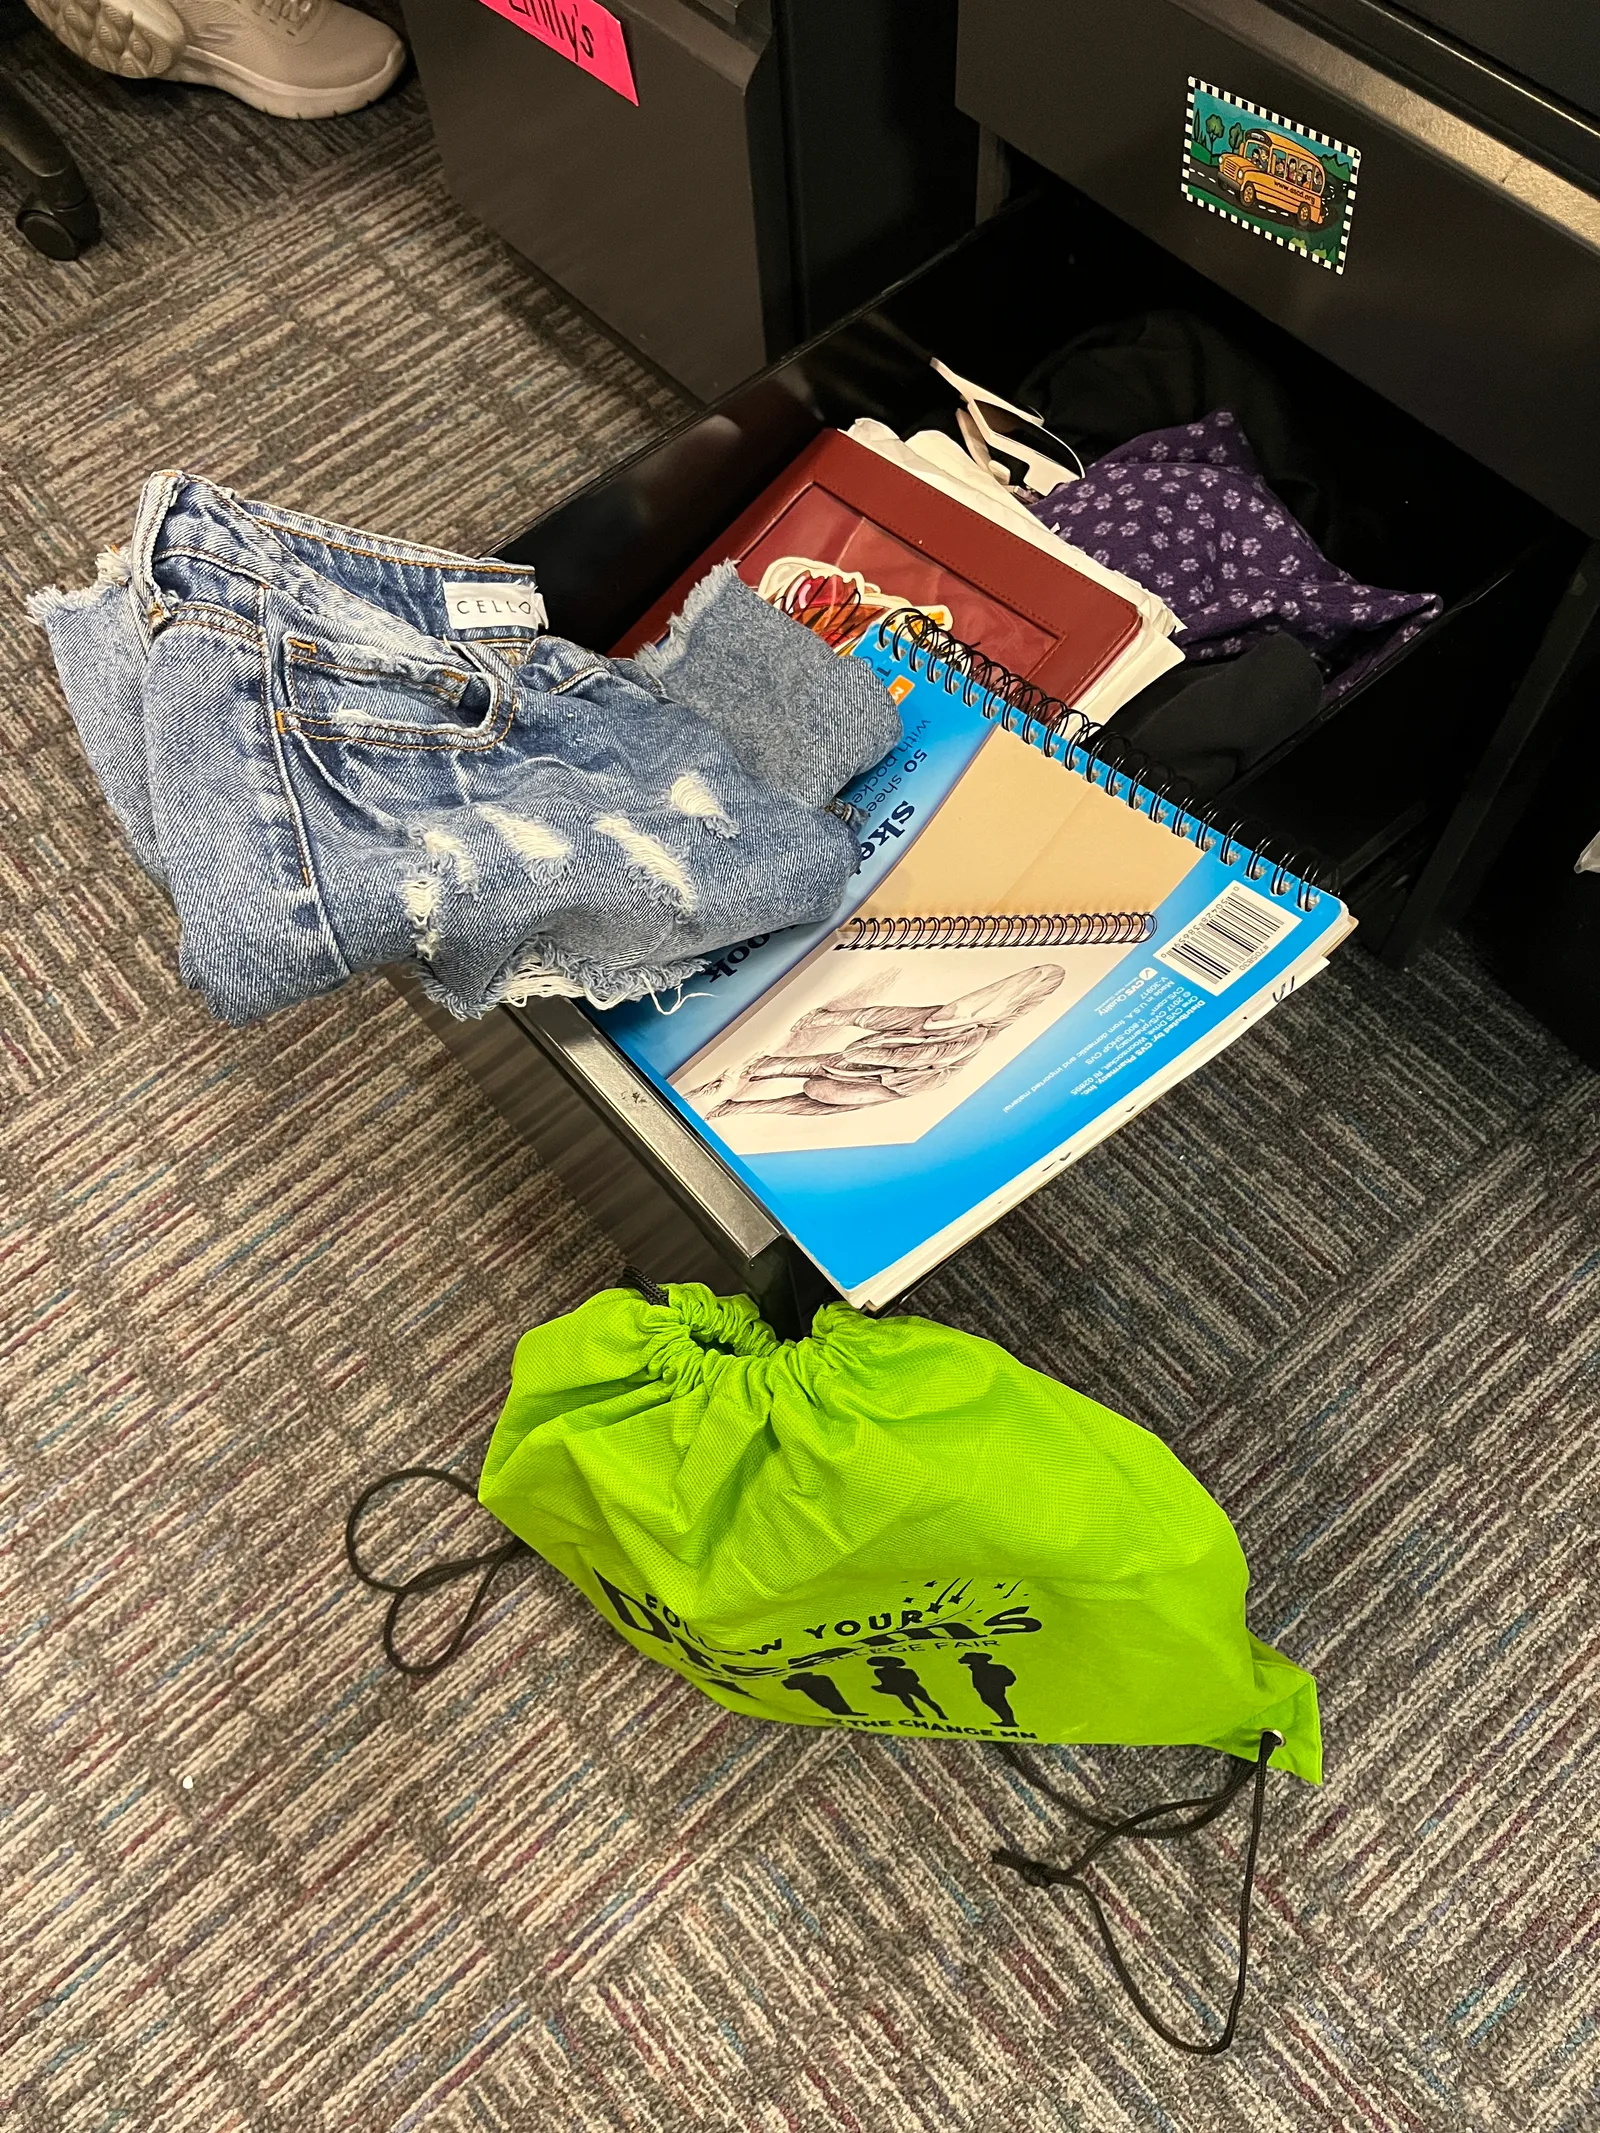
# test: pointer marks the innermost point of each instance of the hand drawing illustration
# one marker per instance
(858, 1050)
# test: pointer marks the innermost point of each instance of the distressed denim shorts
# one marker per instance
(338, 751)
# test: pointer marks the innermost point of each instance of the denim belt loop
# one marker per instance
(156, 498)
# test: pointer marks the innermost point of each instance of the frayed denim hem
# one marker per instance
(546, 972)
(111, 568)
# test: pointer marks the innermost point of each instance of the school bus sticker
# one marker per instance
(1285, 182)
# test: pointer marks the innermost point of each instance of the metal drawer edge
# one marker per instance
(647, 1123)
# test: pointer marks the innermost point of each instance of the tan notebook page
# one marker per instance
(1020, 833)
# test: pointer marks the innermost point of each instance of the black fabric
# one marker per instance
(1211, 724)
(1152, 369)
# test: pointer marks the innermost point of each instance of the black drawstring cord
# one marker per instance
(1039, 1874)
(651, 1291)
(490, 1560)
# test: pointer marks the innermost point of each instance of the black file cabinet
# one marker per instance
(1367, 790)
(1450, 370)
(784, 161)
(1468, 296)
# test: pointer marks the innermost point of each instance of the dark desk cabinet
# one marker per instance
(785, 159)
(1491, 55)
(1470, 291)
(1461, 403)
(1536, 921)
(1467, 294)
(1555, 44)
(1369, 787)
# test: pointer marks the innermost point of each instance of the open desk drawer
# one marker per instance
(1364, 791)
(1469, 291)
(1360, 791)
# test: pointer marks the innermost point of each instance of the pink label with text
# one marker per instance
(589, 35)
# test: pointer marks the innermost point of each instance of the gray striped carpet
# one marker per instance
(253, 1883)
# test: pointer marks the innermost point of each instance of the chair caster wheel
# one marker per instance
(60, 233)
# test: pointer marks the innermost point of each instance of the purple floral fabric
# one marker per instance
(1187, 513)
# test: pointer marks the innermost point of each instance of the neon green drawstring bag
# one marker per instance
(892, 1527)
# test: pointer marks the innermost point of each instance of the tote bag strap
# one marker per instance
(1173, 1818)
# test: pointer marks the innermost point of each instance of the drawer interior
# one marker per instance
(1399, 506)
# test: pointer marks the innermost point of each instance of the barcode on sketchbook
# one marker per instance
(1228, 937)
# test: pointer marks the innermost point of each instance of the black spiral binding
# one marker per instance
(1073, 738)
(1034, 929)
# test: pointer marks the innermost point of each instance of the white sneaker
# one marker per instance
(294, 58)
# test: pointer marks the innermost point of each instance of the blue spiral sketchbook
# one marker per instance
(895, 801)
(887, 1103)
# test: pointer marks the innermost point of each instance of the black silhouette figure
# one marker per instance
(991, 1680)
(896, 1679)
(823, 1691)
